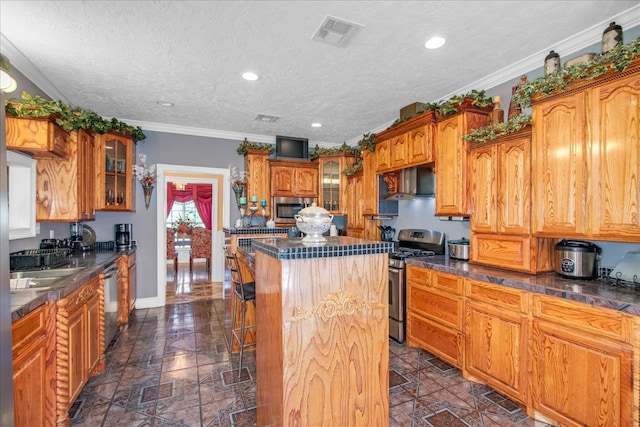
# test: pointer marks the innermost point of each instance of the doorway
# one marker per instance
(216, 177)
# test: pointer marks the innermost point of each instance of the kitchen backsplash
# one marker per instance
(420, 213)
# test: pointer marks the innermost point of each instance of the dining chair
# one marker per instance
(201, 247)
(171, 248)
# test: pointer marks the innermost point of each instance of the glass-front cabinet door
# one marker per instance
(333, 182)
(115, 189)
(331, 185)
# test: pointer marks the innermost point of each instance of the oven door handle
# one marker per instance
(394, 270)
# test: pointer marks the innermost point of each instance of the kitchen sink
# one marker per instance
(36, 274)
(40, 280)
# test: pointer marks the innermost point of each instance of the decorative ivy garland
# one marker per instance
(68, 118)
(617, 58)
(491, 132)
(247, 145)
(344, 148)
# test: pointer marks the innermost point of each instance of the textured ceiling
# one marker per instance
(118, 58)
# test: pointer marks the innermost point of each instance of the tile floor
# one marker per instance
(171, 367)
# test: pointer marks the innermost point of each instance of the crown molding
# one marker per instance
(26, 67)
(629, 18)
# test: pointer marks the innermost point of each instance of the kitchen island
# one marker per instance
(322, 349)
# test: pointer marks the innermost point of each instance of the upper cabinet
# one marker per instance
(451, 155)
(37, 137)
(114, 172)
(333, 183)
(256, 164)
(586, 154)
(369, 194)
(408, 144)
(65, 189)
(500, 192)
(293, 178)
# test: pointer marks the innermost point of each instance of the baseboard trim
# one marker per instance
(150, 302)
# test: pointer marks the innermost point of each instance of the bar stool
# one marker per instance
(245, 293)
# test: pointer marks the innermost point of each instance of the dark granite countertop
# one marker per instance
(93, 263)
(597, 293)
(290, 249)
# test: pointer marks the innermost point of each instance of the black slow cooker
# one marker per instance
(575, 259)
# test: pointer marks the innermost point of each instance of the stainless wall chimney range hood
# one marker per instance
(409, 183)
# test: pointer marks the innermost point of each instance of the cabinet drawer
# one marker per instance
(601, 321)
(436, 305)
(27, 327)
(39, 137)
(518, 253)
(437, 339)
(81, 295)
(503, 296)
(447, 282)
(418, 275)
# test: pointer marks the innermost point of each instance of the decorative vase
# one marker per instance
(238, 189)
(611, 37)
(148, 190)
(551, 63)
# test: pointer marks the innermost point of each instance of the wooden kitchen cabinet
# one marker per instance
(33, 344)
(293, 178)
(398, 151)
(435, 313)
(500, 197)
(451, 163)
(586, 145)
(383, 155)
(65, 189)
(127, 287)
(256, 166)
(115, 157)
(355, 204)
(582, 363)
(496, 334)
(40, 138)
(369, 194)
(420, 143)
(410, 143)
(79, 343)
(333, 183)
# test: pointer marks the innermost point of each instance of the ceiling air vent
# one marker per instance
(336, 31)
(267, 118)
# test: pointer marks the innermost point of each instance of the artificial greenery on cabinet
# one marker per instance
(618, 59)
(246, 145)
(67, 117)
(491, 132)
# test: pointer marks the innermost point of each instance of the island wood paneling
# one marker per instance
(322, 341)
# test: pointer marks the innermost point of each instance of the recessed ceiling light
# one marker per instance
(250, 76)
(164, 103)
(435, 43)
(316, 125)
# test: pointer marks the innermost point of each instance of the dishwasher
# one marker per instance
(110, 279)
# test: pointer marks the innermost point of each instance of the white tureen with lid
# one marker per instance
(313, 221)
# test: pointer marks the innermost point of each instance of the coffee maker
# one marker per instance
(124, 236)
(75, 241)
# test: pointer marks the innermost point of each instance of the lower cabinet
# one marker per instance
(79, 343)
(582, 364)
(435, 313)
(495, 337)
(33, 394)
(569, 363)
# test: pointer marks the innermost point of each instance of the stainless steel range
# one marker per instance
(411, 243)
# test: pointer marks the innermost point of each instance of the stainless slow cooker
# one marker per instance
(459, 249)
(575, 259)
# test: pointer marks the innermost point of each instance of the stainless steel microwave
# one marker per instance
(285, 208)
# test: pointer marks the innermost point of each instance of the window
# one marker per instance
(184, 210)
